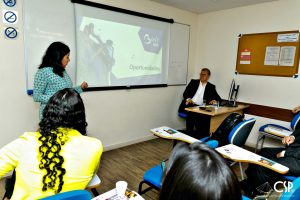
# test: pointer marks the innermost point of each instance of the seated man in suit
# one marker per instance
(260, 178)
(197, 91)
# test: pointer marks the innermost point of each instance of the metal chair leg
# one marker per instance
(95, 192)
(261, 137)
(241, 170)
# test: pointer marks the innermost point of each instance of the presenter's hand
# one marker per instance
(280, 154)
(212, 102)
(189, 101)
(84, 85)
(296, 109)
(288, 140)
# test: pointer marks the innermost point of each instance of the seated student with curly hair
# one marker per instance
(56, 158)
(197, 172)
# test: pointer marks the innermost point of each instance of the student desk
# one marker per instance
(213, 117)
(230, 151)
(171, 134)
(239, 154)
(112, 195)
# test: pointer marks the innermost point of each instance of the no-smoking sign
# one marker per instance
(9, 16)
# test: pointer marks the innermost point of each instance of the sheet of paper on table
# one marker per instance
(112, 195)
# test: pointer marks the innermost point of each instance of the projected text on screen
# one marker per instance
(115, 53)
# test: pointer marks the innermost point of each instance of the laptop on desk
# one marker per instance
(227, 103)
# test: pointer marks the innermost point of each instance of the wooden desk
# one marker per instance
(239, 154)
(217, 115)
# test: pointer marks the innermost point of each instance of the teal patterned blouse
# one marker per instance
(47, 83)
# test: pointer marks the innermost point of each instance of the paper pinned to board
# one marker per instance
(289, 37)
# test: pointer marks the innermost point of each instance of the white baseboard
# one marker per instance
(123, 144)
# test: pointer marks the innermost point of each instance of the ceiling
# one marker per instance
(204, 6)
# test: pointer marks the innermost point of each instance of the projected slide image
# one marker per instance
(109, 52)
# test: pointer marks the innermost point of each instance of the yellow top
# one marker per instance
(81, 160)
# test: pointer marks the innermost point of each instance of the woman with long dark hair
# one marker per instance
(52, 76)
(56, 158)
(197, 172)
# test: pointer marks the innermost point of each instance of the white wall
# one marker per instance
(125, 116)
(116, 117)
(217, 49)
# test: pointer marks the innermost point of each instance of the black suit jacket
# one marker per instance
(293, 150)
(291, 157)
(210, 93)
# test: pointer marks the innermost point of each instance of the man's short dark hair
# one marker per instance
(206, 70)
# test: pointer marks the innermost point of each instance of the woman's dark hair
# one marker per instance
(53, 57)
(197, 172)
(65, 109)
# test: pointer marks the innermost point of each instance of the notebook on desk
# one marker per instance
(224, 103)
(277, 131)
(227, 103)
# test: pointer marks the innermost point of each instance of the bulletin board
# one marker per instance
(269, 54)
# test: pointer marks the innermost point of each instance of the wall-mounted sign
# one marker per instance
(10, 3)
(245, 57)
(11, 32)
(10, 17)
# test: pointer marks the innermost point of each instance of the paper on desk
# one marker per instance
(239, 154)
(236, 153)
(169, 133)
(112, 195)
(277, 131)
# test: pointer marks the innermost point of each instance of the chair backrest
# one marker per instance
(295, 123)
(293, 193)
(240, 132)
(224, 129)
(74, 194)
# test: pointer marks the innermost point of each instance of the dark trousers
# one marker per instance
(9, 185)
(260, 177)
(197, 125)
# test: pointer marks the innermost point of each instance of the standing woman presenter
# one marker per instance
(52, 76)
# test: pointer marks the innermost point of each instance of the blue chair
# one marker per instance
(182, 115)
(70, 195)
(294, 193)
(295, 124)
(238, 136)
(245, 198)
(153, 176)
(290, 178)
(240, 132)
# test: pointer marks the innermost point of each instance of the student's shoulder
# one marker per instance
(93, 139)
(194, 81)
(30, 137)
(209, 84)
(93, 142)
(45, 70)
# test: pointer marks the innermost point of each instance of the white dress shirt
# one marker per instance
(198, 97)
